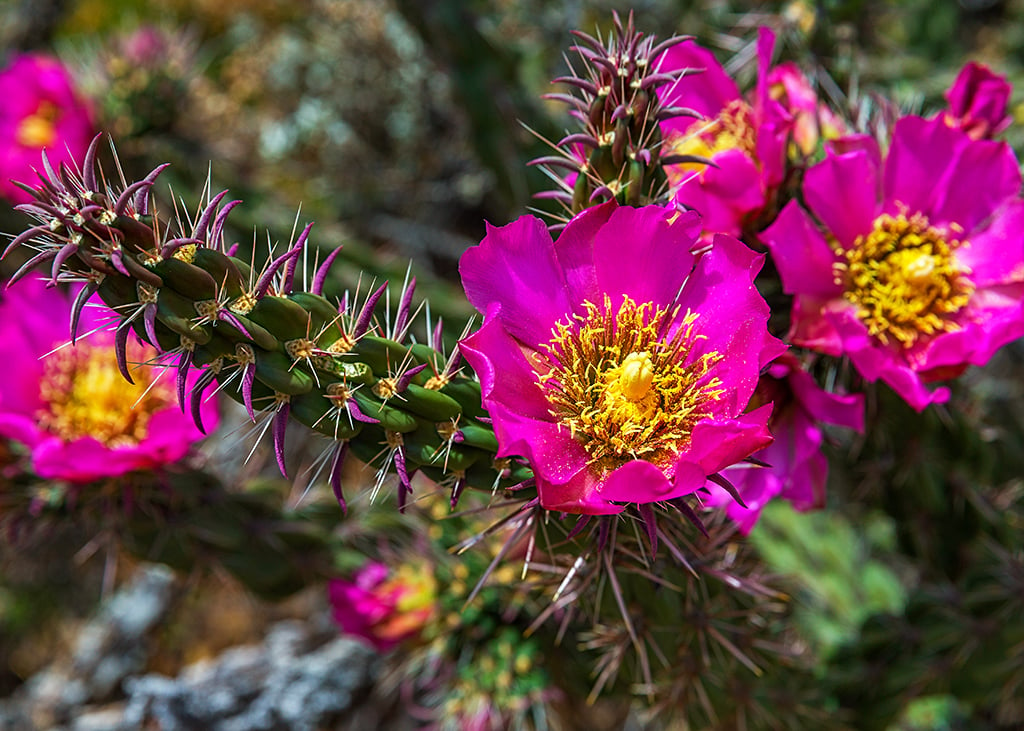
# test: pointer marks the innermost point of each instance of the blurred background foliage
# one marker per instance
(402, 125)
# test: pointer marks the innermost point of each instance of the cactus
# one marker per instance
(284, 351)
(619, 152)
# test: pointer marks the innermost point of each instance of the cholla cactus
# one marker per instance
(619, 153)
(282, 349)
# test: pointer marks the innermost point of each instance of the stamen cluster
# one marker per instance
(622, 387)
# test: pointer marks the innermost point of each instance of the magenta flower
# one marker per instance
(746, 140)
(797, 469)
(384, 607)
(978, 101)
(920, 269)
(617, 361)
(72, 408)
(41, 111)
(813, 121)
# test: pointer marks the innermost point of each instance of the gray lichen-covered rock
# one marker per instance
(279, 685)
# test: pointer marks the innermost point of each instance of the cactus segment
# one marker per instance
(354, 375)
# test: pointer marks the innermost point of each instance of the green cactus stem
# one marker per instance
(618, 151)
(285, 351)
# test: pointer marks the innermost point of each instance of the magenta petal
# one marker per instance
(653, 273)
(833, 408)
(875, 361)
(981, 177)
(732, 318)
(708, 92)
(501, 364)
(716, 444)
(918, 166)
(516, 266)
(636, 482)
(842, 191)
(726, 194)
(578, 495)
(995, 255)
(575, 250)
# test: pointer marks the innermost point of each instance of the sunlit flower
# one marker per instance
(978, 101)
(617, 361)
(40, 111)
(796, 467)
(382, 606)
(920, 269)
(745, 139)
(813, 121)
(72, 408)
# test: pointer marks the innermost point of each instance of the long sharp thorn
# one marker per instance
(196, 398)
(121, 349)
(218, 225)
(76, 307)
(149, 319)
(24, 238)
(184, 365)
(724, 483)
(280, 426)
(203, 224)
(336, 464)
(366, 314)
(268, 276)
(321, 274)
(66, 252)
(650, 523)
(289, 272)
(402, 316)
(248, 379)
(31, 264)
(89, 164)
(129, 193)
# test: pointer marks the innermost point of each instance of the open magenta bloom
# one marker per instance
(80, 418)
(813, 121)
(797, 469)
(746, 139)
(615, 360)
(40, 110)
(382, 606)
(920, 269)
(978, 101)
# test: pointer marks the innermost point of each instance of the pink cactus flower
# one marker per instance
(71, 407)
(978, 101)
(617, 361)
(382, 606)
(41, 111)
(813, 121)
(746, 140)
(920, 269)
(797, 469)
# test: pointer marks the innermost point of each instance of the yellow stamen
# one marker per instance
(84, 395)
(732, 129)
(904, 279)
(622, 388)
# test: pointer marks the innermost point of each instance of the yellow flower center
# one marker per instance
(904, 279)
(732, 129)
(624, 384)
(38, 130)
(86, 396)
